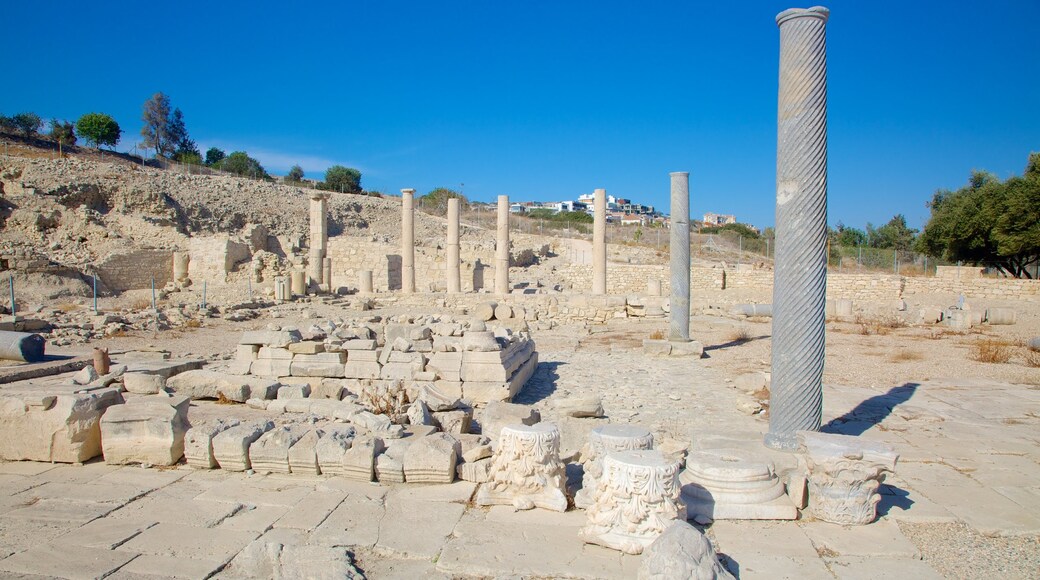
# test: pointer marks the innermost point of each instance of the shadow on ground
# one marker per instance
(870, 412)
(541, 384)
(733, 343)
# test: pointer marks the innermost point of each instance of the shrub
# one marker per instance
(992, 350)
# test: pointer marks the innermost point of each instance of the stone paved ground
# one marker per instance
(965, 500)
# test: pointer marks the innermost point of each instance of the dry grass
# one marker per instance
(657, 335)
(1032, 358)
(69, 307)
(878, 326)
(387, 399)
(193, 323)
(906, 356)
(992, 350)
(739, 335)
(222, 400)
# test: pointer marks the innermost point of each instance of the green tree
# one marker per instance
(342, 179)
(28, 124)
(742, 230)
(62, 133)
(845, 236)
(988, 222)
(7, 124)
(436, 202)
(214, 156)
(99, 129)
(239, 163)
(156, 129)
(295, 174)
(894, 235)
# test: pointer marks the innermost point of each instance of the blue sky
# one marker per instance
(547, 100)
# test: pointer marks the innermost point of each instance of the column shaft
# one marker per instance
(679, 329)
(502, 247)
(599, 243)
(407, 241)
(800, 275)
(454, 276)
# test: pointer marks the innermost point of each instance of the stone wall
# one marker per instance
(135, 269)
(213, 257)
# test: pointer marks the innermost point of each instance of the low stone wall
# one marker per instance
(135, 269)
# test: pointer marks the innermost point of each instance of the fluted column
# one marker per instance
(800, 275)
(407, 241)
(679, 329)
(454, 276)
(599, 242)
(502, 247)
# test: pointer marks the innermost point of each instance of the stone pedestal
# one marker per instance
(281, 289)
(502, 247)
(844, 476)
(407, 241)
(732, 484)
(365, 281)
(526, 470)
(599, 242)
(800, 275)
(635, 500)
(603, 440)
(679, 327)
(299, 283)
(454, 281)
(180, 268)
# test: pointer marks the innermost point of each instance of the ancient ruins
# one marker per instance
(373, 401)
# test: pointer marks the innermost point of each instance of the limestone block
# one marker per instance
(271, 368)
(399, 370)
(361, 370)
(371, 421)
(329, 389)
(580, 407)
(450, 389)
(475, 472)
(751, 382)
(931, 315)
(359, 461)
(845, 473)
(338, 357)
(687, 348)
(681, 551)
(85, 376)
(143, 383)
(201, 384)
(231, 446)
(326, 408)
(503, 312)
(64, 429)
(147, 430)
(485, 311)
(447, 365)
(359, 344)
(267, 559)
(603, 440)
(331, 447)
(364, 355)
(431, 459)
(270, 452)
(307, 347)
(497, 415)
(733, 484)
(389, 469)
(657, 347)
(275, 338)
(457, 421)
(480, 341)
(1000, 316)
(198, 442)
(436, 399)
(419, 414)
(447, 344)
(274, 353)
(635, 500)
(526, 470)
(294, 391)
(303, 455)
(298, 405)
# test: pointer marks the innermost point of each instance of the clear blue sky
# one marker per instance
(547, 100)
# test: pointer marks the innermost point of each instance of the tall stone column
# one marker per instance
(502, 247)
(319, 238)
(599, 243)
(407, 241)
(800, 275)
(679, 328)
(454, 276)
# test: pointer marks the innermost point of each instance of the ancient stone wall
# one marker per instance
(135, 269)
(351, 255)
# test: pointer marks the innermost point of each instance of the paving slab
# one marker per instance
(62, 511)
(12, 484)
(142, 477)
(537, 517)
(765, 538)
(312, 510)
(765, 567)
(66, 561)
(25, 467)
(353, 523)
(985, 510)
(105, 533)
(84, 473)
(401, 520)
(258, 490)
(161, 567)
(380, 566)
(256, 519)
(191, 512)
(370, 490)
(87, 492)
(873, 567)
(180, 541)
(908, 505)
(458, 492)
(881, 538)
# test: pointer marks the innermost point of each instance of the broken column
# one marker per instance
(502, 247)
(454, 276)
(281, 289)
(180, 268)
(679, 328)
(299, 283)
(845, 474)
(800, 276)
(599, 243)
(365, 281)
(526, 470)
(407, 241)
(634, 501)
(319, 240)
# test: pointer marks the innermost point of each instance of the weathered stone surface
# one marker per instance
(143, 383)
(603, 440)
(485, 311)
(682, 551)
(85, 376)
(145, 430)
(845, 473)
(66, 429)
(303, 455)
(231, 446)
(294, 391)
(733, 484)
(581, 407)
(273, 353)
(201, 384)
(270, 453)
(458, 421)
(389, 469)
(65, 561)
(267, 559)
(436, 399)
(480, 341)
(526, 470)
(359, 461)
(475, 471)
(330, 448)
(419, 414)
(497, 415)
(279, 339)
(198, 442)
(431, 459)
(371, 421)
(307, 347)
(361, 369)
(317, 369)
(329, 389)
(359, 344)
